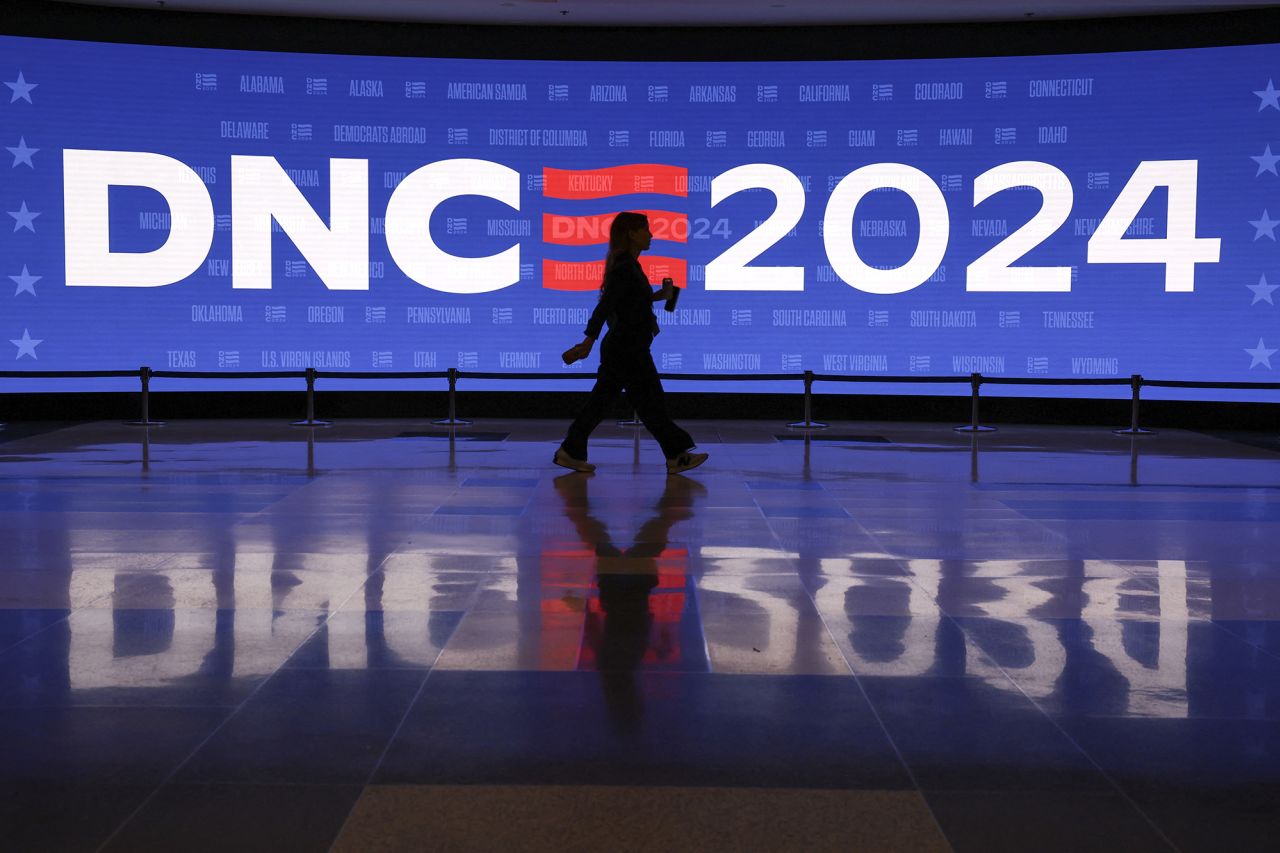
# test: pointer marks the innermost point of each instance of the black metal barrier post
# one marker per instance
(453, 419)
(975, 382)
(1134, 429)
(144, 375)
(310, 420)
(808, 422)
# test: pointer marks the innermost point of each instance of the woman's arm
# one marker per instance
(605, 307)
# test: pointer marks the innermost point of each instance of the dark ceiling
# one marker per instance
(689, 12)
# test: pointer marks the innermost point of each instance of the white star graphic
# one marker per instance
(1265, 225)
(1262, 291)
(1260, 355)
(22, 154)
(1270, 97)
(1266, 162)
(27, 345)
(26, 282)
(21, 88)
(26, 219)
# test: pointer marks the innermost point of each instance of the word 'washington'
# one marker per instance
(730, 361)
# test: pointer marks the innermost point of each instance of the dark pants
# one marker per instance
(631, 371)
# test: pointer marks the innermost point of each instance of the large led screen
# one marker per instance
(1048, 216)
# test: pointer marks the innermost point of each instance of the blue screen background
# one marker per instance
(1201, 104)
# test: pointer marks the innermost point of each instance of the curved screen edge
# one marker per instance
(1076, 216)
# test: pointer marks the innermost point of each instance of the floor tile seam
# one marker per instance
(702, 628)
(1023, 617)
(1245, 640)
(6, 649)
(934, 789)
(359, 669)
(382, 756)
(875, 713)
(119, 706)
(177, 769)
(1116, 786)
(348, 512)
(186, 609)
(1206, 718)
(1022, 486)
(638, 785)
(1038, 522)
(1152, 583)
(228, 783)
(70, 612)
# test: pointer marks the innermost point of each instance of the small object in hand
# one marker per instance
(574, 353)
(675, 294)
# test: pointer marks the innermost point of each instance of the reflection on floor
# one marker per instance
(234, 635)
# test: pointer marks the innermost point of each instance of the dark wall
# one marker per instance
(295, 34)
(309, 35)
(561, 405)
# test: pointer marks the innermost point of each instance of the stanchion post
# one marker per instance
(633, 421)
(808, 422)
(311, 453)
(310, 420)
(144, 376)
(1135, 381)
(975, 382)
(453, 419)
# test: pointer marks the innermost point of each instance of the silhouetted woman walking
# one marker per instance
(626, 304)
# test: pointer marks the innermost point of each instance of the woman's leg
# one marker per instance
(603, 393)
(644, 392)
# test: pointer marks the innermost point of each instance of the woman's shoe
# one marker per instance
(685, 462)
(564, 460)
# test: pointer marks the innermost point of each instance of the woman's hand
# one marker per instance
(664, 293)
(578, 351)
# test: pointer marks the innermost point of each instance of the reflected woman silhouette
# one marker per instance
(622, 636)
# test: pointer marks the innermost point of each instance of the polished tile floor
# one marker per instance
(236, 635)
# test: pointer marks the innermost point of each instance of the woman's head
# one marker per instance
(627, 232)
